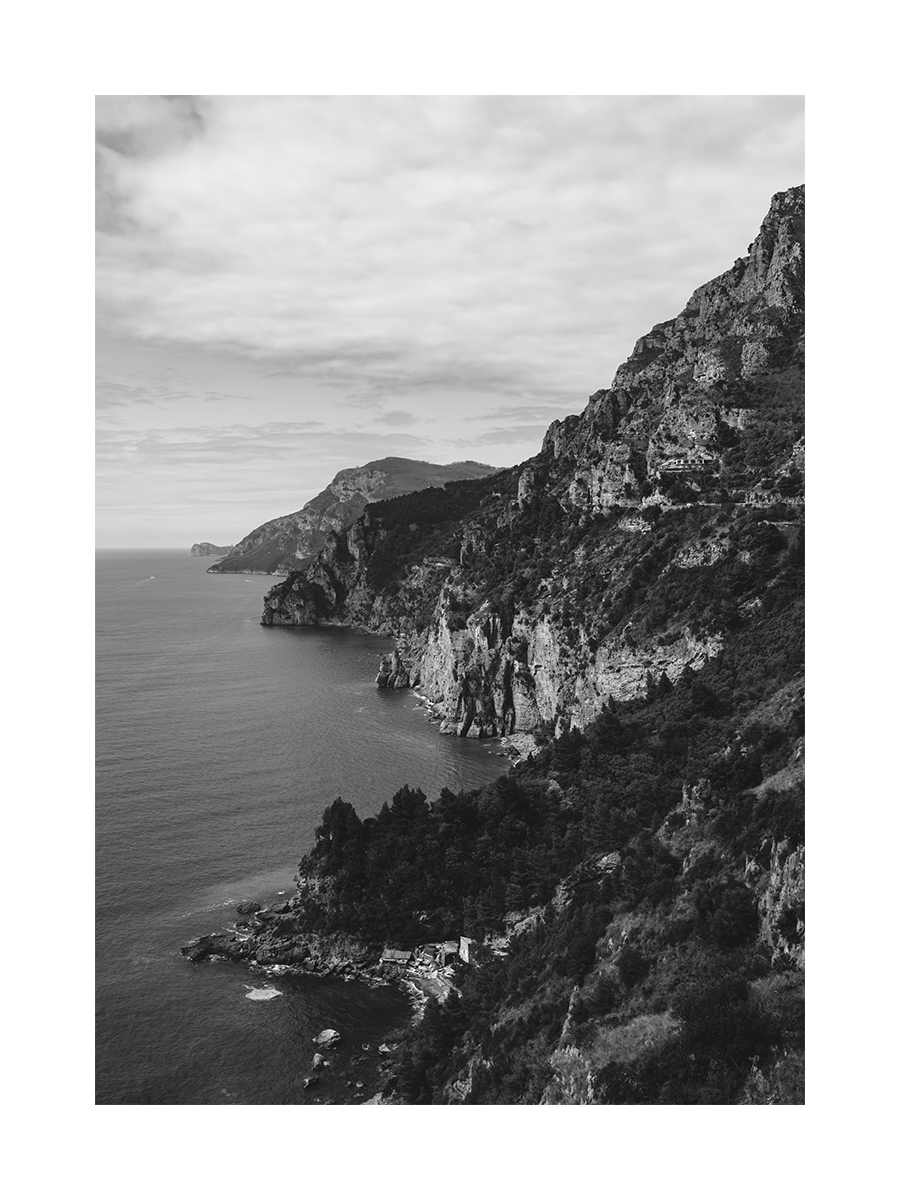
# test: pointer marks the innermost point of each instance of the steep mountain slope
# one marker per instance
(632, 599)
(645, 528)
(282, 544)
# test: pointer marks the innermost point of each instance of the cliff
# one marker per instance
(631, 893)
(621, 553)
(206, 549)
(282, 544)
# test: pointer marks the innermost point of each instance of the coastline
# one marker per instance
(271, 940)
(259, 940)
(511, 745)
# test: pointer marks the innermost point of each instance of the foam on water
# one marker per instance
(262, 993)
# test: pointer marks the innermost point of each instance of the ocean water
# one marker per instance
(219, 743)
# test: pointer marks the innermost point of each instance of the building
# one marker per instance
(395, 958)
(446, 951)
(466, 949)
(694, 459)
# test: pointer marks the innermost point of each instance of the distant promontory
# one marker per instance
(286, 543)
(208, 550)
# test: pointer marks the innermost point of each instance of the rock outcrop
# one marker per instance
(782, 903)
(392, 673)
(285, 939)
(629, 602)
(282, 544)
(326, 1039)
(531, 603)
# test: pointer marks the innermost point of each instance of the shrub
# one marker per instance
(736, 920)
(631, 966)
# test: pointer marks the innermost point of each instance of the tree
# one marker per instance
(339, 830)
(631, 966)
(409, 805)
(721, 1020)
(735, 919)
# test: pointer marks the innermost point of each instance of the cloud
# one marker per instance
(396, 418)
(145, 126)
(114, 394)
(543, 413)
(136, 128)
(504, 435)
(228, 454)
(232, 477)
(230, 444)
(219, 397)
(401, 244)
(288, 286)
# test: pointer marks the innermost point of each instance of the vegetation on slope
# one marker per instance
(642, 911)
(637, 884)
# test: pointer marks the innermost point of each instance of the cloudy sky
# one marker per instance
(292, 285)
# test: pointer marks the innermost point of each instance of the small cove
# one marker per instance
(219, 743)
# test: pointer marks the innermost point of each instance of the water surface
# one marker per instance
(219, 742)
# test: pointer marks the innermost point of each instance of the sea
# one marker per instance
(219, 742)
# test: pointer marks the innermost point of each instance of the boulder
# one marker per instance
(327, 1038)
(249, 906)
(319, 1061)
(215, 943)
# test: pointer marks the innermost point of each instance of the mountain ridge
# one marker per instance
(705, 413)
(283, 543)
(628, 604)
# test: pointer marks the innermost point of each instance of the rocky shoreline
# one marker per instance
(509, 745)
(394, 674)
(275, 939)
(274, 936)
(272, 939)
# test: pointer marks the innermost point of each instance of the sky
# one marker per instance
(288, 286)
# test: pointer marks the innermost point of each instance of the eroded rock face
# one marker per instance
(782, 901)
(654, 441)
(484, 684)
(392, 673)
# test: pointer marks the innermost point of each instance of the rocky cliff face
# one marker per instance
(632, 893)
(623, 553)
(282, 544)
(207, 549)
